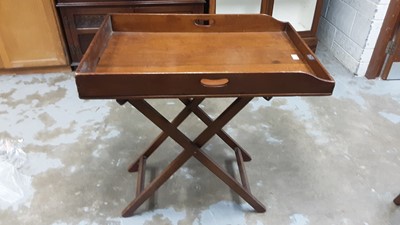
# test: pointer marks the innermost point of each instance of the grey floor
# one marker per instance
(316, 160)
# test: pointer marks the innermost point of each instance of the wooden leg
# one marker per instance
(242, 171)
(231, 182)
(156, 183)
(192, 148)
(224, 136)
(397, 200)
(191, 104)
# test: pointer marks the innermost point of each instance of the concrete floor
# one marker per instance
(316, 160)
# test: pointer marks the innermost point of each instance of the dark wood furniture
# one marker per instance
(397, 200)
(139, 56)
(309, 35)
(82, 18)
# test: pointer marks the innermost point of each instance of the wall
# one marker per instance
(350, 28)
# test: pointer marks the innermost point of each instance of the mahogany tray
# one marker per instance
(175, 55)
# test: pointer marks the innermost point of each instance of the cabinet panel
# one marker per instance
(300, 13)
(81, 24)
(169, 9)
(84, 40)
(4, 61)
(29, 35)
(88, 21)
(237, 6)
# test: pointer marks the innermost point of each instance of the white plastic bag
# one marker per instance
(12, 181)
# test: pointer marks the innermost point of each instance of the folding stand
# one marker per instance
(192, 57)
(190, 148)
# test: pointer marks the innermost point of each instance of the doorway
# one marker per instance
(391, 68)
(385, 58)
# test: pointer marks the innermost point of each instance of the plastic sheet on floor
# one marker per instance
(12, 181)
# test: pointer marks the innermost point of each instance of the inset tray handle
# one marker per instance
(203, 22)
(214, 83)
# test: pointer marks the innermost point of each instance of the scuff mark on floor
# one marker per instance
(299, 219)
(392, 117)
(162, 215)
(223, 212)
(40, 162)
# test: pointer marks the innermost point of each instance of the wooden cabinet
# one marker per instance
(1, 63)
(82, 18)
(304, 15)
(29, 35)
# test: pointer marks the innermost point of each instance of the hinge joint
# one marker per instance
(390, 47)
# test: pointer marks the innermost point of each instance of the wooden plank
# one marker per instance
(194, 53)
(96, 47)
(242, 170)
(212, 6)
(267, 7)
(186, 23)
(309, 56)
(141, 175)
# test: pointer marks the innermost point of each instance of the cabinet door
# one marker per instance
(82, 23)
(237, 6)
(302, 14)
(29, 35)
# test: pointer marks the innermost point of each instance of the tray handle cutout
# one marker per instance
(203, 22)
(214, 83)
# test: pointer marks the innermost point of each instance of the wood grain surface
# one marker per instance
(170, 55)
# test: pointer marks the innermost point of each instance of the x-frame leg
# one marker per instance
(163, 136)
(224, 136)
(191, 105)
(192, 148)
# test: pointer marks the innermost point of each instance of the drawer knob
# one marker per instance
(214, 83)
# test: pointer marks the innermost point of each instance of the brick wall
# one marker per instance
(350, 28)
